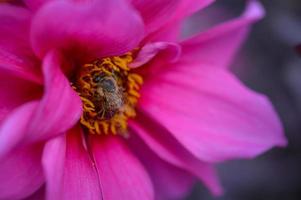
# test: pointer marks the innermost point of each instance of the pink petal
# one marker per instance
(54, 163)
(18, 68)
(60, 108)
(35, 4)
(16, 55)
(169, 181)
(155, 13)
(158, 13)
(217, 46)
(21, 173)
(162, 142)
(14, 128)
(38, 195)
(15, 65)
(169, 33)
(211, 113)
(172, 52)
(69, 172)
(90, 29)
(188, 7)
(15, 91)
(121, 174)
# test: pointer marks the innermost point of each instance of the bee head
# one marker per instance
(107, 83)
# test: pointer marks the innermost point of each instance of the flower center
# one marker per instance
(109, 92)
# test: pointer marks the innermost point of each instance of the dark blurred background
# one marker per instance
(269, 64)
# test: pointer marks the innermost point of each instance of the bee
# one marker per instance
(109, 96)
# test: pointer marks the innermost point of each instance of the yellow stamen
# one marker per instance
(107, 107)
(87, 102)
(134, 93)
(96, 125)
(135, 78)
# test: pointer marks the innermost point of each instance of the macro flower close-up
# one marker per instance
(103, 99)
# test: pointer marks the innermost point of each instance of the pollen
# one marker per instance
(109, 92)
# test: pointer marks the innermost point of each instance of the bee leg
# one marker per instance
(102, 113)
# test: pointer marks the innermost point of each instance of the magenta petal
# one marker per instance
(68, 169)
(169, 33)
(18, 67)
(169, 181)
(217, 46)
(171, 51)
(54, 163)
(58, 110)
(14, 128)
(23, 91)
(35, 4)
(171, 151)
(38, 195)
(155, 13)
(60, 107)
(93, 28)
(159, 13)
(21, 173)
(121, 174)
(211, 113)
(14, 32)
(18, 70)
(16, 55)
(188, 7)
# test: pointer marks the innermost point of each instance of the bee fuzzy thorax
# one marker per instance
(109, 92)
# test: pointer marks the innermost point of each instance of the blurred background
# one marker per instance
(269, 64)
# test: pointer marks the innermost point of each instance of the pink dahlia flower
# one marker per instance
(101, 100)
